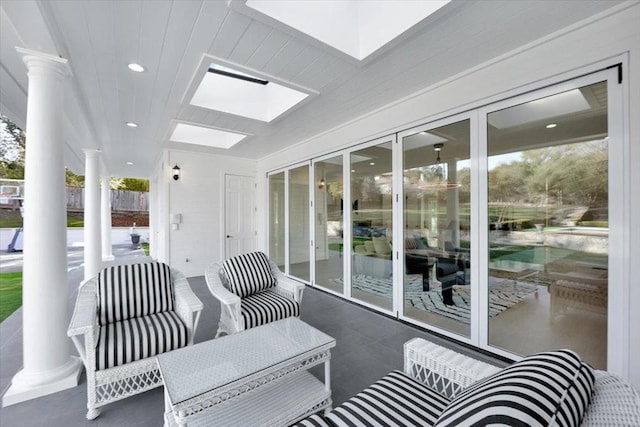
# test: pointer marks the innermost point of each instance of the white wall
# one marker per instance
(613, 33)
(158, 210)
(199, 197)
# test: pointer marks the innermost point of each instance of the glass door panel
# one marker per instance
(437, 270)
(299, 250)
(548, 224)
(372, 223)
(329, 224)
(276, 219)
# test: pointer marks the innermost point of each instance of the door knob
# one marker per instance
(228, 237)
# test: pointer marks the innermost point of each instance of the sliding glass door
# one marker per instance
(289, 226)
(299, 226)
(502, 226)
(372, 224)
(329, 224)
(277, 226)
(436, 221)
(548, 224)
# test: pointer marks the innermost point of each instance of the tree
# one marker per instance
(73, 180)
(131, 184)
(135, 184)
(12, 146)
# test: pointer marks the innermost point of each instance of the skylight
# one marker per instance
(355, 27)
(208, 137)
(230, 72)
(232, 91)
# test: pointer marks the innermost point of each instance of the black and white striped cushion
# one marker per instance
(248, 273)
(315, 420)
(140, 337)
(128, 291)
(394, 400)
(265, 307)
(546, 389)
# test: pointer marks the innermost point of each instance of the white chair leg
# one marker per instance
(93, 413)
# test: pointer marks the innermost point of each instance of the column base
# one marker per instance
(26, 386)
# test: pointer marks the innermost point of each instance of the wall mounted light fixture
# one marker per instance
(321, 184)
(176, 172)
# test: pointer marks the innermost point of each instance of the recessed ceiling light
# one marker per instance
(129, 163)
(132, 124)
(372, 163)
(353, 170)
(551, 125)
(136, 67)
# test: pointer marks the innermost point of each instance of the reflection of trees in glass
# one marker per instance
(573, 174)
(508, 182)
(369, 189)
(464, 179)
(334, 188)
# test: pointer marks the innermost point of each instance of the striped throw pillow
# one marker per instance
(248, 273)
(128, 291)
(394, 400)
(546, 389)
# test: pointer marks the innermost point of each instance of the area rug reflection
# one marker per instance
(503, 294)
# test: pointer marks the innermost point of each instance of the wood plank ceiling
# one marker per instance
(171, 39)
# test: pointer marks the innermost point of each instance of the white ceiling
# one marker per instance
(177, 40)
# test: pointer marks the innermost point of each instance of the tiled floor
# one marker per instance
(369, 345)
(524, 328)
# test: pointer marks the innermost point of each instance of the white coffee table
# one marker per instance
(255, 377)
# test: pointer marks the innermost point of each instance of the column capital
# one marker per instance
(91, 152)
(39, 61)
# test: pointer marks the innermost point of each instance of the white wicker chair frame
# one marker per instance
(231, 320)
(615, 402)
(109, 385)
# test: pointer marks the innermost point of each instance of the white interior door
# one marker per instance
(240, 215)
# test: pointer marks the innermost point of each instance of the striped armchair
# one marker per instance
(124, 317)
(252, 291)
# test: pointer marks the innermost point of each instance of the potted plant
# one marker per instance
(135, 237)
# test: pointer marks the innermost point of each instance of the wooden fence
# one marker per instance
(121, 200)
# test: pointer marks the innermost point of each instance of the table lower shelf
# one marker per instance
(280, 403)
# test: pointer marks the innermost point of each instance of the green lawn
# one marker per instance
(145, 248)
(14, 220)
(10, 293)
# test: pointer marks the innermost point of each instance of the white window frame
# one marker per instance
(348, 223)
(346, 257)
(618, 154)
(399, 231)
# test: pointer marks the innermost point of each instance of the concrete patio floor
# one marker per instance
(369, 345)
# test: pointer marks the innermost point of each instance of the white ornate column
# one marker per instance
(92, 214)
(47, 364)
(105, 219)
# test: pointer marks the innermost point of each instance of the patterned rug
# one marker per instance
(503, 294)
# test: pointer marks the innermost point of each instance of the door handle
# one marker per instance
(228, 237)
